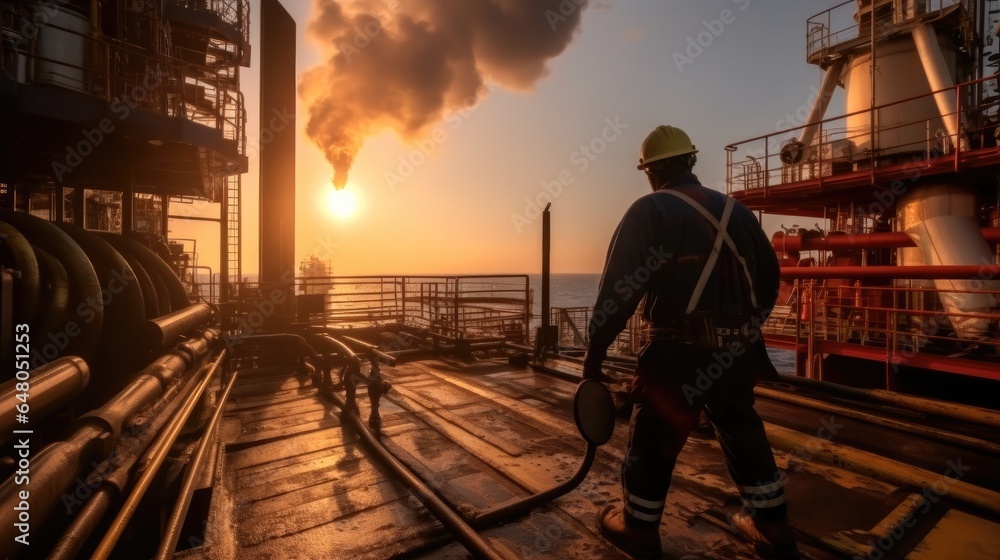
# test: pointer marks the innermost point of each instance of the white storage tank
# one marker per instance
(63, 51)
(911, 127)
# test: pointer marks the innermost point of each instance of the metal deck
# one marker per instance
(290, 482)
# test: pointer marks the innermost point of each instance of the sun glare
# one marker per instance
(341, 204)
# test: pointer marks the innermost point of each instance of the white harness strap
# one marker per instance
(713, 258)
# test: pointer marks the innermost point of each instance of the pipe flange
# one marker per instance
(162, 373)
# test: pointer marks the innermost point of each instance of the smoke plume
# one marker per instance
(403, 65)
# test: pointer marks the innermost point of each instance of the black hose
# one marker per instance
(526, 504)
(452, 520)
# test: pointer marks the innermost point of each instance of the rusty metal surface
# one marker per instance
(294, 484)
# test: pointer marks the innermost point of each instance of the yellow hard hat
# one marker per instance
(664, 142)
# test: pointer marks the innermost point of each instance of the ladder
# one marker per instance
(233, 266)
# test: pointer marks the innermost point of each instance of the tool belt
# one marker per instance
(697, 331)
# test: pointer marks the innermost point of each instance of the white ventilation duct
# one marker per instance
(939, 77)
(942, 220)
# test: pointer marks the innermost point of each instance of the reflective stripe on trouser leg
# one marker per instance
(748, 453)
(645, 474)
(761, 502)
(643, 509)
(768, 495)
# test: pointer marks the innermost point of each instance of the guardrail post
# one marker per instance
(958, 126)
(456, 308)
(891, 342)
(767, 164)
(810, 342)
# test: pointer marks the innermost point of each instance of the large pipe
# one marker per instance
(830, 81)
(882, 468)
(123, 299)
(52, 472)
(85, 288)
(55, 304)
(942, 220)
(52, 387)
(16, 253)
(167, 329)
(154, 292)
(154, 458)
(901, 425)
(168, 544)
(783, 243)
(936, 68)
(961, 412)
(56, 466)
(142, 391)
(961, 272)
(154, 266)
(114, 482)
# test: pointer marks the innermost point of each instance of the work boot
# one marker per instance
(770, 539)
(639, 540)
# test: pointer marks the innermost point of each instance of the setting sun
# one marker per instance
(341, 204)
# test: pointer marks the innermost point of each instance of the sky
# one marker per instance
(465, 196)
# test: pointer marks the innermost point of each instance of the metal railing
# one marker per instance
(127, 76)
(901, 324)
(233, 12)
(841, 24)
(839, 149)
(897, 317)
(573, 327)
(453, 306)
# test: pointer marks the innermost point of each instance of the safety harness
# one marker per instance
(698, 329)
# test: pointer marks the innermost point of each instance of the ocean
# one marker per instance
(580, 290)
(567, 290)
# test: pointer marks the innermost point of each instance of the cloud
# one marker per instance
(403, 65)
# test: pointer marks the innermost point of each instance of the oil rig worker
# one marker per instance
(709, 277)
